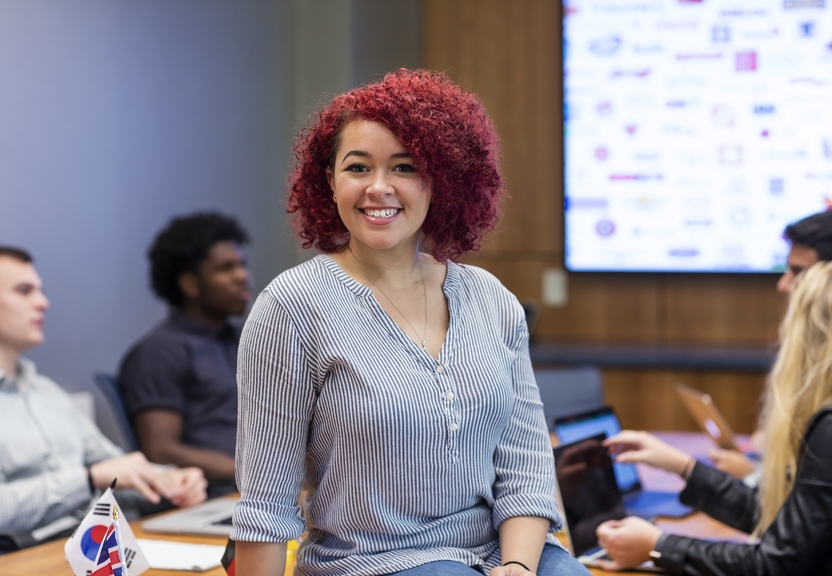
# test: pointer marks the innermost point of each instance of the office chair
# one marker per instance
(565, 391)
(107, 384)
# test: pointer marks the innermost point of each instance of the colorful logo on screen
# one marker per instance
(91, 540)
(630, 73)
(721, 34)
(606, 46)
(746, 61)
(804, 4)
(605, 228)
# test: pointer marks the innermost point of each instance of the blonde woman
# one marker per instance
(791, 514)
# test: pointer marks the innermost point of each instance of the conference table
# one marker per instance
(48, 559)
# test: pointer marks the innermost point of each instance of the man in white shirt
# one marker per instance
(52, 458)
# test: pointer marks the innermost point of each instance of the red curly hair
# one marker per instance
(453, 144)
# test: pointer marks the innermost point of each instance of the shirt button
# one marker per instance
(440, 369)
(454, 426)
(450, 395)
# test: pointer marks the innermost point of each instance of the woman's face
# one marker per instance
(381, 198)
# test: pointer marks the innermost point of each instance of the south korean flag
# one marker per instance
(82, 547)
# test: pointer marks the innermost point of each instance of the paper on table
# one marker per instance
(169, 555)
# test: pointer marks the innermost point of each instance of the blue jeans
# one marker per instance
(554, 561)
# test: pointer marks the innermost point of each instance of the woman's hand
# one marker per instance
(628, 542)
(511, 570)
(734, 463)
(630, 447)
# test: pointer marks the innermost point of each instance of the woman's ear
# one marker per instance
(330, 178)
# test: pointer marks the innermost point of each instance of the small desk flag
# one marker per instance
(83, 547)
(110, 560)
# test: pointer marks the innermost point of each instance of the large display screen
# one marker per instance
(694, 130)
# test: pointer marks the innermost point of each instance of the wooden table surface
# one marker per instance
(48, 559)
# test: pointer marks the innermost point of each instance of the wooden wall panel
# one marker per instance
(646, 400)
(610, 308)
(731, 309)
(503, 52)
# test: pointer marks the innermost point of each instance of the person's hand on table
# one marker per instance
(630, 447)
(191, 485)
(628, 542)
(134, 471)
(734, 463)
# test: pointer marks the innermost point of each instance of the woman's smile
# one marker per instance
(380, 213)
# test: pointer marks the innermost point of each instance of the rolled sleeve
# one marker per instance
(276, 400)
(523, 461)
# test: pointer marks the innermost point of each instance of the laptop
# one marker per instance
(211, 518)
(589, 496)
(707, 416)
(639, 502)
(588, 492)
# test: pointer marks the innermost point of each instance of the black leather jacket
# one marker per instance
(799, 541)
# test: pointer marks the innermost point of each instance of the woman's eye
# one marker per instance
(356, 168)
(405, 168)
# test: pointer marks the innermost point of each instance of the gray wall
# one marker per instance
(117, 115)
(341, 44)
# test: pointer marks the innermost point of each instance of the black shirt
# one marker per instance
(191, 369)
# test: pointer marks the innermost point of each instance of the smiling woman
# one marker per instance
(391, 382)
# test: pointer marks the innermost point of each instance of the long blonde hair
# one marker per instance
(800, 384)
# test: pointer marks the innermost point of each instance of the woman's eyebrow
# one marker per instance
(363, 154)
(360, 153)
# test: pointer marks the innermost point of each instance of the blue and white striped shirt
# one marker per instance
(411, 459)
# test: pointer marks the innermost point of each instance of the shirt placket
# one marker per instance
(450, 405)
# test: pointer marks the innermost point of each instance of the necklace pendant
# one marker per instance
(424, 345)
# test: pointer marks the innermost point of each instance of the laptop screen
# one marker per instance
(588, 490)
(578, 427)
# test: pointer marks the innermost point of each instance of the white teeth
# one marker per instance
(386, 213)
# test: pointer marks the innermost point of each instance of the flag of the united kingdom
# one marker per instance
(110, 559)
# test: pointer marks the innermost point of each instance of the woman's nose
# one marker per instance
(380, 185)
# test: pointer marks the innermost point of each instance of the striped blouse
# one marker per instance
(411, 459)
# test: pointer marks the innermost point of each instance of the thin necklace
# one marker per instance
(424, 294)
